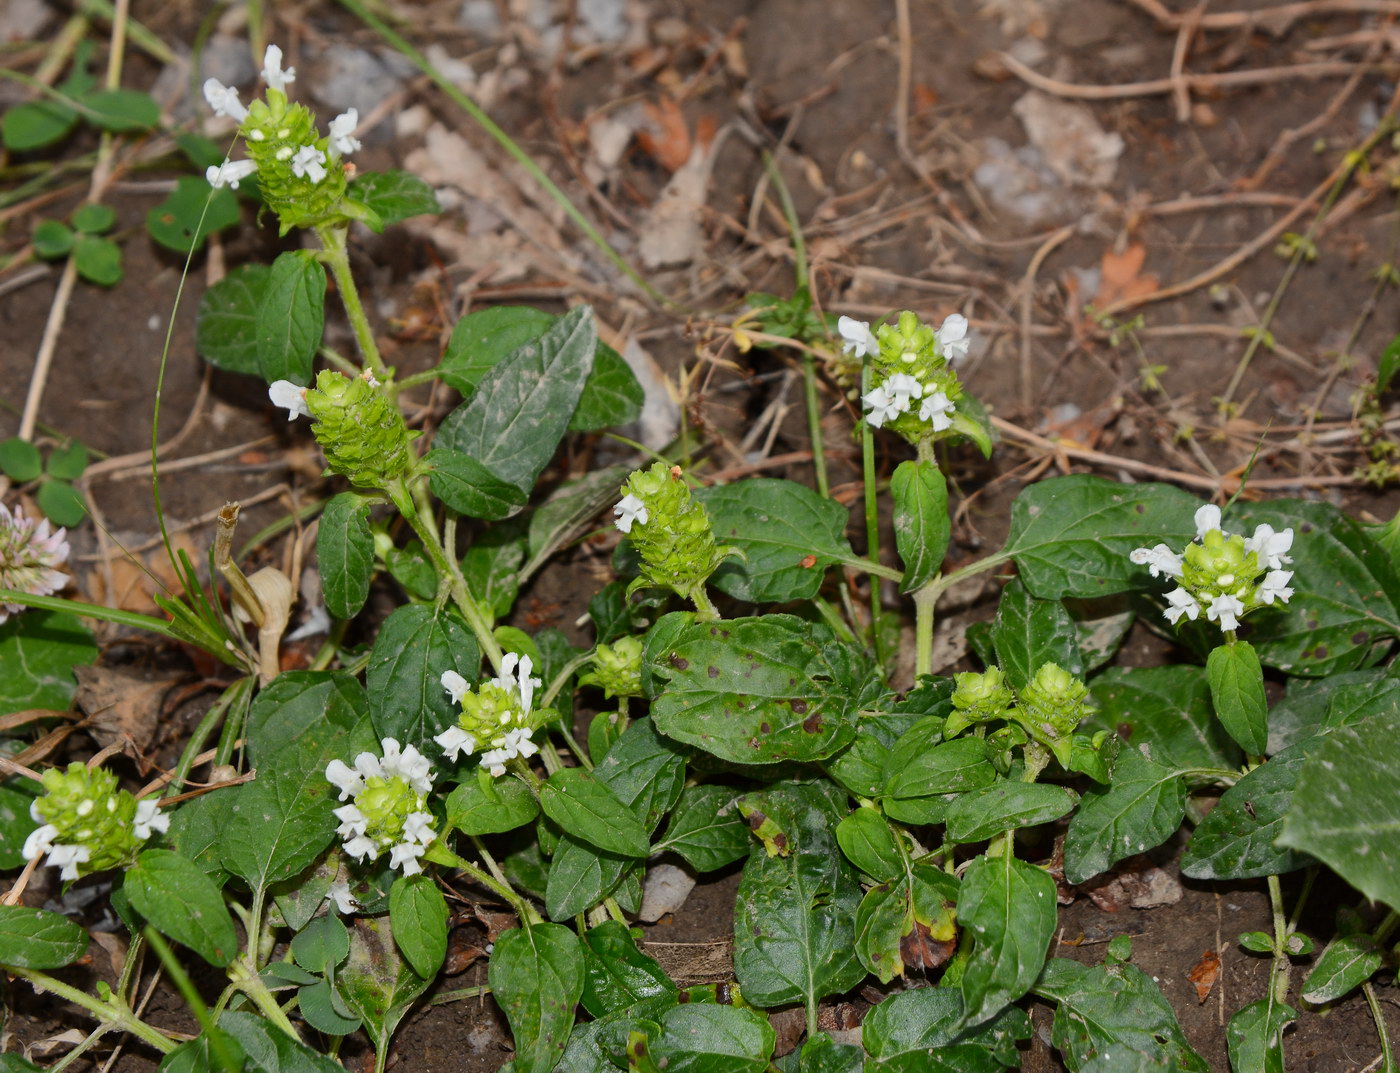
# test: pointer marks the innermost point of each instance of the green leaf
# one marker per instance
(916, 770)
(121, 110)
(1165, 708)
(536, 976)
(320, 1006)
(1028, 633)
(68, 462)
(416, 644)
(16, 795)
(280, 822)
(19, 460)
(323, 944)
(706, 829)
(226, 325)
(296, 703)
(1237, 689)
(418, 913)
(1112, 1019)
(1100, 627)
(345, 550)
(491, 567)
(203, 1055)
(38, 651)
(61, 503)
(1346, 963)
(705, 1038)
(52, 239)
(1071, 536)
(570, 509)
(1347, 603)
(1006, 806)
(513, 423)
(469, 488)
(291, 317)
(98, 260)
(921, 1031)
(175, 895)
(488, 807)
(788, 532)
(588, 810)
(870, 844)
(1142, 808)
(1255, 1036)
(1388, 365)
(617, 974)
(270, 1050)
(794, 919)
(1346, 810)
(182, 223)
(35, 124)
(580, 877)
(196, 828)
(376, 984)
(921, 523)
(644, 771)
(38, 939)
(909, 921)
(754, 690)
(1010, 908)
(94, 218)
(13, 1063)
(393, 196)
(612, 394)
(1237, 840)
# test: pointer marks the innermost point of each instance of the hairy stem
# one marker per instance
(109, 1012)
(336, 256)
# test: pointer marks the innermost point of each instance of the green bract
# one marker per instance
(670, 530)
(362, 434)
(88, 824)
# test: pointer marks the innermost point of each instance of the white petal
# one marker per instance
(339, 894)
(290, 396)
(455, 685)
(1207, 520)
(348, 782)
(149, 818)
(859, 339)
(405, 855)
(342, 132)
(39, 842)
(455, 740)
(272, 71)
(361, 848)
(416, 828)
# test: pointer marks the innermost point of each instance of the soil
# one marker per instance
(897, 211)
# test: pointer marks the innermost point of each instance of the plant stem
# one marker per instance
(1278, 979)
(211, 719)
(217, 1043)
(426, 530)
(924, 601)
(336, 256)
(111, 1012)
(872, 521)
(440, 854)
(1378, 1015)
(459, 995)
(704, 609)
(250, 983)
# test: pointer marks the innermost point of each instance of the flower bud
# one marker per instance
(362, 434)
(617, 668)
(1051, 705)
(977, 698)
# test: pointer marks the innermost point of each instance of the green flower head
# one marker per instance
(388, 807)
(617, 668)
(977, 698)
(1051, 705)
(87, 823)
(670, 530)
(913, 388)
(499, 713)
(362, 434)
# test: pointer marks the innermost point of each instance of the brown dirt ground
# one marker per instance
(884, 230)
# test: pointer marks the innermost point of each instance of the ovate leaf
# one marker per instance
(393, 195)
(290, 317)
(921, 523)
(418, 913)
(191, 213)
(345, 550)
(416, 644)
(536, 976)
(1029, 632)
(175, 895)
(38, 939)
(1141, 808)
(38, 651)
(1010, 908)
(1237, 689)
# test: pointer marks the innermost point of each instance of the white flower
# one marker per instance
(416, 829)
(40, 840)
(405, 856)
(455, 685)
(630, 509)
(69, 857)
(859, 339)
(515, 677)
(1274, 587)
(291, 397)
(368, 765)
(272, 71)
(30, 555)
(1225, 610)
(1207, 520)
(1271, 547)
(495, 761)
(347, 781)
(310, 162)
(952, 338)
(410, 765)
(339, 895)
(149, 819)
(882, 406)
(342, 132)
(455, 740)
(1159, 560)
(352, 821)
(936, 409)
(902, 387)
(230, 173)
(1180, 603)
(224, 100)
(361, 848)
(519, 742)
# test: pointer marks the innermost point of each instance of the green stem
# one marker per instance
(97, 611)
(459, 995)
(250, 983)
(814, 423)
(423, 526)
(108, 1012)
(218, 1044)
(440, 854)
(924, 601)
(704, 609)
(1378, 1015)
(336, 256)
(872, 521)
(558, 682)
(211, 719)
(1278, 980)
